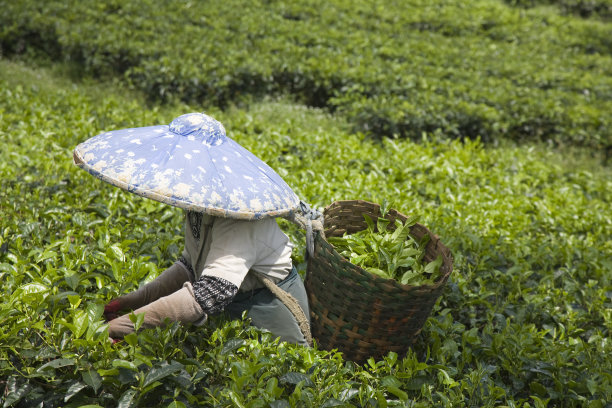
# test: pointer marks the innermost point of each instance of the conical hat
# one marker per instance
(190, 164)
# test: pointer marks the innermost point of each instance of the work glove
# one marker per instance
(170, 280)
(179, 306)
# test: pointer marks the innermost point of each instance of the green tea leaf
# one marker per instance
(137, 319)
(127, 399)
(117, 252)
(369, 222)
(158, 373)
(81, 322)
(390, 381)
(408, 276)
(280, 404)
(73, 390)
(410, 221)
(33, 288)
(417, 382)
(381, 224)
(131, 339)
(124, 364)
(74, 300)
(332, 402)
(176, 404)
(338, 242)
(92, 378)
(17, 395)
(378, 272)
(296, 378)
(409, 253)
(232, 345)
(360, 259)
(348, 394)
(57, 363)
(72, 280)
(401, 232)
(433, 267)
(398, 393)
(94, 312)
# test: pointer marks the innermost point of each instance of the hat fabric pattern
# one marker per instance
(190, 164)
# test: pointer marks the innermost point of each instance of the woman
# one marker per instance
(236, 257)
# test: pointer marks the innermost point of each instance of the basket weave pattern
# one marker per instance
(360, 314)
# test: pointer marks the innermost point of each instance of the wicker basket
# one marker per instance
(360, 314)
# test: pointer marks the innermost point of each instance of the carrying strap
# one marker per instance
(308, 219)
(292, 304)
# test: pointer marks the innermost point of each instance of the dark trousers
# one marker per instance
(266, 311)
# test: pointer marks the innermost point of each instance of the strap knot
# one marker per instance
(308, 219)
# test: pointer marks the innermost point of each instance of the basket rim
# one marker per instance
(404, 287)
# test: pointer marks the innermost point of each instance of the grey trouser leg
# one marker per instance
(267, 312)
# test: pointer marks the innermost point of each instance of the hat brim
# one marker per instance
(223, 179)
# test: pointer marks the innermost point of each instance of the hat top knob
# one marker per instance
(200, 126)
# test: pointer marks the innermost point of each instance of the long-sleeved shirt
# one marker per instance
(234, 249)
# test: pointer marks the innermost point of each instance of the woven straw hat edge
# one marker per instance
(217, 212)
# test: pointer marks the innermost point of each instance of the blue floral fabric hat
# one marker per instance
(190, 164)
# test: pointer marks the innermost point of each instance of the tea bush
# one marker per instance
(481, 68)
(524, 321)
(584, 8)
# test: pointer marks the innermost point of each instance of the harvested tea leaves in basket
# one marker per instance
(389, 254)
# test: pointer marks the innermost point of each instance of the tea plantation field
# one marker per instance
(525, 319)
(488, 68)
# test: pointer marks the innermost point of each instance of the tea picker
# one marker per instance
(236, 258)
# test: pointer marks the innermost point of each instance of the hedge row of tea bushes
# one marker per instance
(585, 8)
(462, 69)
(525, 320)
